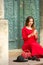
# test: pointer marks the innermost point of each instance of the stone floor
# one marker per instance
(30, 62)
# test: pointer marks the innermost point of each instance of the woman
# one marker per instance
(30, 36)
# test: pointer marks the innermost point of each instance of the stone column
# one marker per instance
(3, 36)
(3, 42)
(1, 8)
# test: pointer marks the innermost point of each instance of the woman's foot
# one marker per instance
(35, 58)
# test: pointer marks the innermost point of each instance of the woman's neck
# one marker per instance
(29, 27)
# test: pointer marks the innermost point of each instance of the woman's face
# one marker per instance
(30, 22)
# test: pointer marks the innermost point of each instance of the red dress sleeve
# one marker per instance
(24, 35)
(36, 38)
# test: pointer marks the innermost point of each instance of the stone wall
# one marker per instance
(1, 9)
(3, 36)
(41, 21)
(41, 13)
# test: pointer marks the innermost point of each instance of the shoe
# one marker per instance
(29, 58)
(20, 59)
(35, 58)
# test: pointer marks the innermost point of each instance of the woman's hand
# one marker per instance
(30, 35)
(35, 33)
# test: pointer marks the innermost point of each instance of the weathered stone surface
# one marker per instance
(30, 62)
(1, 8)
(3, 42)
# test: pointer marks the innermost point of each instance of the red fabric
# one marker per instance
(31, 43)
(26, 54)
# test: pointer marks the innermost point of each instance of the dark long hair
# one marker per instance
(27, 21)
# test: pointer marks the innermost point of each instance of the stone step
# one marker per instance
(15, 52)
(30, 62)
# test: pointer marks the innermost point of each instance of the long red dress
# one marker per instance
(31, 43)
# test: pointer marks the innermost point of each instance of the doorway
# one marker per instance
(16, 12)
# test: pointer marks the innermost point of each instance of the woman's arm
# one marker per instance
(35, 33)
(30, 35)
(25, 36)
